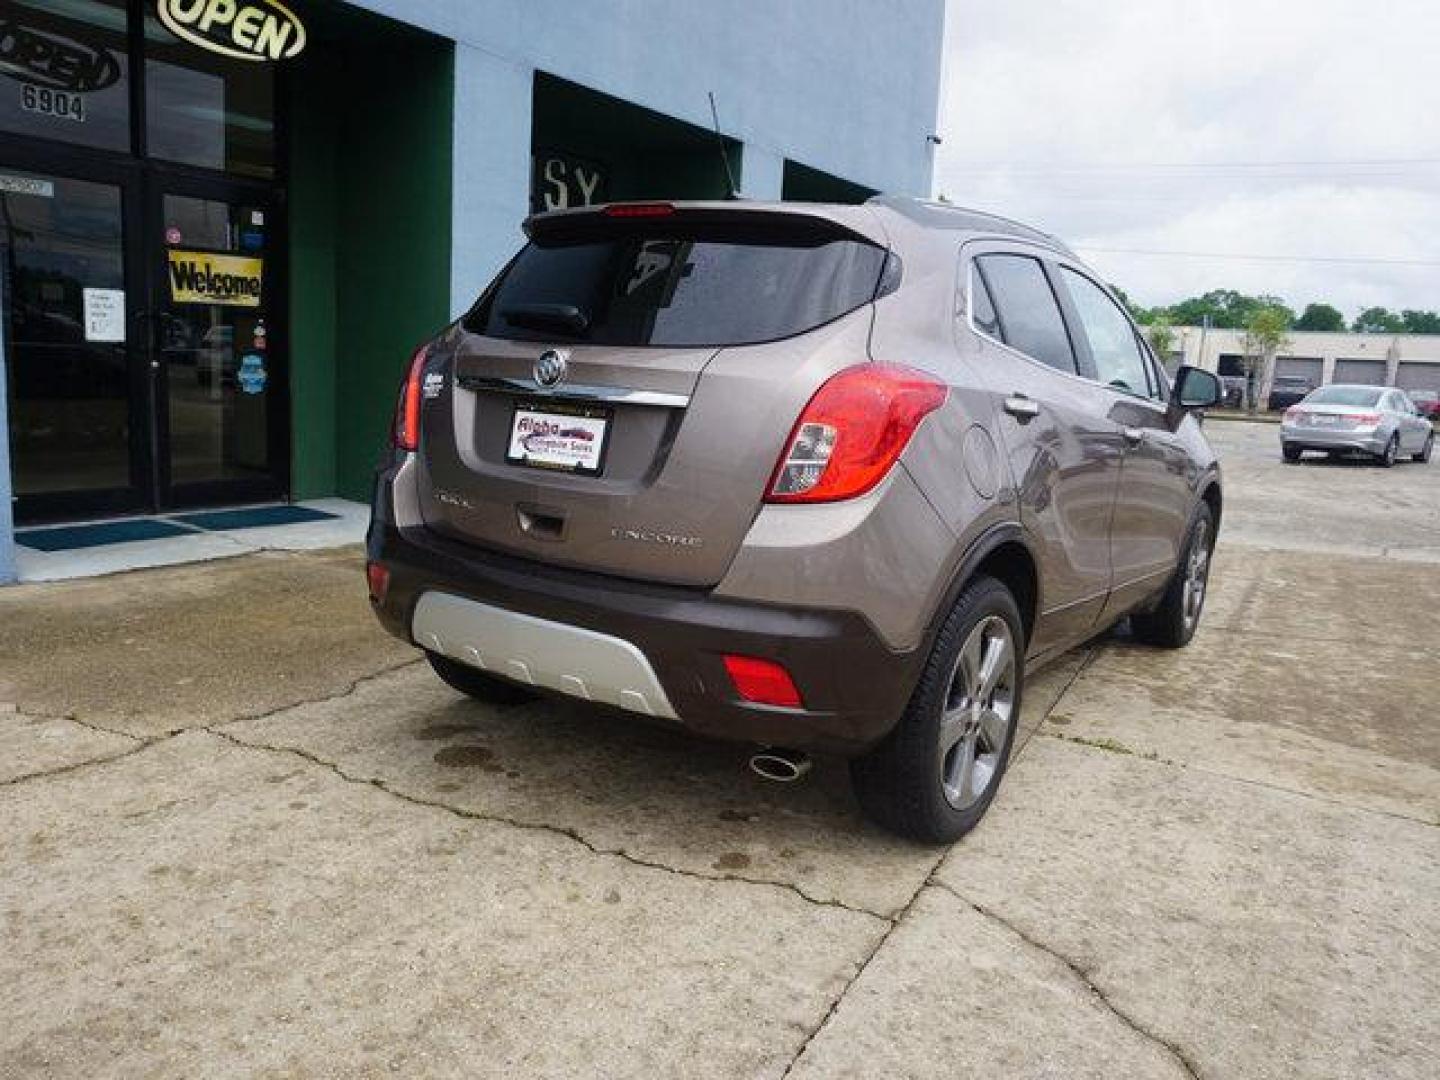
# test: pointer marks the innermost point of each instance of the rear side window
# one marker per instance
(1113, 347)
(674, 286)
(1028, 313)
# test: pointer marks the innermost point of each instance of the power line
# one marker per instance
(1125, 166)
(1362, 260)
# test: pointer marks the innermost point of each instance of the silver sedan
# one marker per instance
(1374, 420)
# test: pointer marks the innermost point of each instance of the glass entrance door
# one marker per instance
(75, 371)
(217, 353)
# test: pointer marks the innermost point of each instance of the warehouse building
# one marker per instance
(224, 224)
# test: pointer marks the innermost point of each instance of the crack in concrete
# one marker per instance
(1155, 759)
(75, 766)
(1181, 1057)
(384, 786)
(349, 690)
(863, 965)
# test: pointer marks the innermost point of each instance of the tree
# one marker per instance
(1141, 315)
(1226, 309)
(1321, 317)
(1265, 335)
(1162, 337)
(1378, 320)
(1421, 322)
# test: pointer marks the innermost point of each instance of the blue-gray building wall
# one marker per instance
(850, 87)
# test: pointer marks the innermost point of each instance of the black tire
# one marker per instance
(477, 684)
(1392, 451)
(1423, 457)
(1290, 453)
(1172, 624)
(901, 783)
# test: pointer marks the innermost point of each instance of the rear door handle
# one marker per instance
(1134, 436)
(1022, 408)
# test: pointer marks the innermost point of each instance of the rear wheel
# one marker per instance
(1173, 623)
(1290, 453)
(477, 684)
(1424, 455)
(1392, 451)
(936, 773)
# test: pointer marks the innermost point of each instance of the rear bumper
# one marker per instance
(854, 687)
(1311, 438)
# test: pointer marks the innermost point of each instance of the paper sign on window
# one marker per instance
(104, 311)
(202, 277)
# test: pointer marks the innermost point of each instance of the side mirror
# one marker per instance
(1195, 388)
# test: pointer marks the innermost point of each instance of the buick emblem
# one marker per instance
(550, 368)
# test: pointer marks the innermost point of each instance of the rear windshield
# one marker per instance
(675, 286)
(1344, 395)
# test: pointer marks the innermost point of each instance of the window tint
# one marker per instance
(1358, 396)
(982, 310)
(64, 71)
(679, 287)
(1112, 340)
(1028, 312)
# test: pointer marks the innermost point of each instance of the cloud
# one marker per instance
(1064, 114)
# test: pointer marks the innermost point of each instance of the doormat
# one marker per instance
(73, 537)
(252, 517)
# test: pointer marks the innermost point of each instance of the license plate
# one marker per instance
(1324, 420)
(561, 437)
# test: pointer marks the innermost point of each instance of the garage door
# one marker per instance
(1367, 372)
(1307, 369)
(1418, 375)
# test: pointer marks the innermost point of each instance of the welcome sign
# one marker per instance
(202, 277)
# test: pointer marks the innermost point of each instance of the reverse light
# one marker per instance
(762, 681)
(852, 432)
(405, 431)
(634, 210)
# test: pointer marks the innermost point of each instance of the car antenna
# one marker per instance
(735, 192)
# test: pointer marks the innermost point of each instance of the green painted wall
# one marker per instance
(370, 216)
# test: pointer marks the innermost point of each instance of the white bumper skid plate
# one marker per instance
(572, 660)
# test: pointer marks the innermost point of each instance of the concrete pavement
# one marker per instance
(246, 833)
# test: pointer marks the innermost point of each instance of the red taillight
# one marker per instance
(644, 209)
(378, 577)
(1292, 416)
(762, 681)
(851, 433)
(1363, 418)
(405, 432)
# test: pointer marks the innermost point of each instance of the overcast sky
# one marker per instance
(1134, 126)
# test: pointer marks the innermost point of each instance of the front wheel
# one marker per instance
(1173, 622)
(936, 773)
(1423, 457)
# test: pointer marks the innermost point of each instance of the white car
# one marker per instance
(1374, 420)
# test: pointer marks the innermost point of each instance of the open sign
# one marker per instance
(243, 29)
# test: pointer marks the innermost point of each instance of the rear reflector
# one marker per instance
(852, 432)
(631, 210)
(405, 431)
(763, 681)
(378, 577)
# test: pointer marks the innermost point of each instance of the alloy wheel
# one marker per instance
(979, 709)
(1197, 576)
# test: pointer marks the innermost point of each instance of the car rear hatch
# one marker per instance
(618, 398)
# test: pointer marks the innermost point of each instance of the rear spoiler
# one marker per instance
(801, 221)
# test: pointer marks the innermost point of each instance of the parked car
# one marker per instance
(1232, 391)
(1340, 419)
(1287, 390)
(859, 469)
(1427, 402)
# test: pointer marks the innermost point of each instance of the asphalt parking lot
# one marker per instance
(245, 833)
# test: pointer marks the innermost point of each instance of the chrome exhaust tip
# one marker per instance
(780, 765)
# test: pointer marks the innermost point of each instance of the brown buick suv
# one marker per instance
(812, 478)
